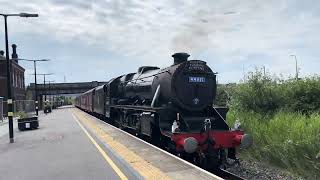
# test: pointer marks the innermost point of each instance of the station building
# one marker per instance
(17, 77)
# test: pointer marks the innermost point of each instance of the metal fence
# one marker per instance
(20, 108)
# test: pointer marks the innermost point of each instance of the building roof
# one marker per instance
(13, 58)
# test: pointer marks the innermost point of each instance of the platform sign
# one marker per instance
(27, 125)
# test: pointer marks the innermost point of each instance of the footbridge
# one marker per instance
(63, 88)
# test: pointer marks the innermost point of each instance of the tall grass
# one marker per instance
(288, 140)
(284, 118)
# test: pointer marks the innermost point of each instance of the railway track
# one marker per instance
(227, 175)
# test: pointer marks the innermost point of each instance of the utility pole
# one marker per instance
(9, 88)
(244, 75)
(297, 70)
(44, 88)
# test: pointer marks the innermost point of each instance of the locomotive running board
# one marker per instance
(139, 108)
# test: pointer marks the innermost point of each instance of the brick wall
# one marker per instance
(18, 87)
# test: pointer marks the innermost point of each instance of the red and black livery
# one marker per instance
(173, 107)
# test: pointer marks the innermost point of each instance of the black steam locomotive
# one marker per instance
(171, 106)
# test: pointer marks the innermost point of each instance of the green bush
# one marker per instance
(224, 92)
(302, 95)
(282, 115)
(266, 95)
(258, 94)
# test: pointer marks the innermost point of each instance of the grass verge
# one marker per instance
(288, 140)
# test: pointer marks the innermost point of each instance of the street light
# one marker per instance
(297, 71)
(9, 98)
(28, 15)
(20, 15)
(35, 79)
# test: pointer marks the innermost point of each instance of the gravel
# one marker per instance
(250, 169)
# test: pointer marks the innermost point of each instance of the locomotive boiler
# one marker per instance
(173, 107)
(189, 85)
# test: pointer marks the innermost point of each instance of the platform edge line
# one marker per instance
(102, 152)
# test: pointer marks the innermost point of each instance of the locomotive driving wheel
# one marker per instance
(120, 118)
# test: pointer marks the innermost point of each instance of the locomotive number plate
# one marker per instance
(197, 79)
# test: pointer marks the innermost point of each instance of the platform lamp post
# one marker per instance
(35, 80)
(9, 98)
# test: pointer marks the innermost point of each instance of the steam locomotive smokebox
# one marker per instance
(28, 123)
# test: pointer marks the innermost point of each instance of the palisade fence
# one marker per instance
(20, 108)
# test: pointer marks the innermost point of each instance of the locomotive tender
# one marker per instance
(173, 107)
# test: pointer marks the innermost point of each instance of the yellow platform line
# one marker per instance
(103, 153)
(144, 168)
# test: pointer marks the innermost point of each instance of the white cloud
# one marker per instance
(227, 32)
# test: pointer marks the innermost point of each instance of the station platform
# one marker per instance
(71, 144)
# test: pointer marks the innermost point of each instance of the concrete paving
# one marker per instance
(4, 129)
(3, 121)
(59, 149)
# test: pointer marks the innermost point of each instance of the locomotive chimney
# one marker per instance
(14, 53)
(180, 57)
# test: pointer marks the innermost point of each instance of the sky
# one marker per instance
(95, 40)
